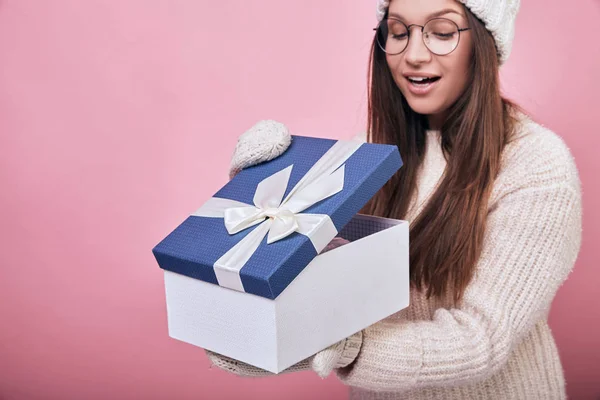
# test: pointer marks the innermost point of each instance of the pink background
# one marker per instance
(118, 118)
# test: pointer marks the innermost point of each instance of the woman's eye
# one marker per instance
(400, 36)
(444, 36)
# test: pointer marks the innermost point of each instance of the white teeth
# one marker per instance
(419, 78)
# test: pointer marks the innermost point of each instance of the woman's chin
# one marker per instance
(423, 107)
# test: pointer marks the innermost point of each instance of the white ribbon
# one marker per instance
(279, 217)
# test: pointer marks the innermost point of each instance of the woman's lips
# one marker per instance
(422, 88)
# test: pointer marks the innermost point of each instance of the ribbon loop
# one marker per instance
(269, 192)
(239, 218)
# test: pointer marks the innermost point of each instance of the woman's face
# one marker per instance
(418, 61)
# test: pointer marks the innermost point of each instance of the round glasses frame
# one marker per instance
(408, 27)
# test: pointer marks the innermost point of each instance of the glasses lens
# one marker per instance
(441, 36)
(392, 36)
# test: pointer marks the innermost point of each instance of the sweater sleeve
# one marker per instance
(531, 243)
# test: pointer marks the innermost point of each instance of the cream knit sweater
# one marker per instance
(497, 345)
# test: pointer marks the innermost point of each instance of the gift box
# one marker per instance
(244, 276)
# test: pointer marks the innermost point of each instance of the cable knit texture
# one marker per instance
(497, 344)
(263, 142)
(499, 17)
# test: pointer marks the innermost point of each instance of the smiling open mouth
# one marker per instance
(423, 81)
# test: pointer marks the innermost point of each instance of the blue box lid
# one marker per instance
(194, 247)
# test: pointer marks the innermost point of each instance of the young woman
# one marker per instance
(494, 203)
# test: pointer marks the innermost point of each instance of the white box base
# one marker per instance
(339, 293)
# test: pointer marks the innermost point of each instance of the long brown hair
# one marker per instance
(446, 239)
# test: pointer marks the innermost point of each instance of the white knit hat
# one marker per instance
(498, 16)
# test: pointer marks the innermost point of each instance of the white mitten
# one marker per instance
(263, 142)
(338, 355)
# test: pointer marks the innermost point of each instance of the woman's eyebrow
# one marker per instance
(433, 15)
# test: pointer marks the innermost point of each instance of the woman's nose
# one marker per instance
(417, 52)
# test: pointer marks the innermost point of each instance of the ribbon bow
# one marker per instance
(279, 217)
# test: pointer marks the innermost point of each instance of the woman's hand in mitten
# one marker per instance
(338, 355)
(246, 370)
(263, 142)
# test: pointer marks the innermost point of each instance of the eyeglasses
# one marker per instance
(440, 35)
